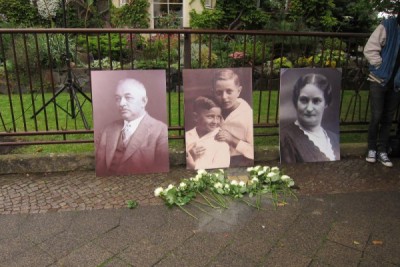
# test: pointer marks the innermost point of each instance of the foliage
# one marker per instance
(19, 13)
(26, 47)
(241, 15)
(277, 64)
(231, 15)
(134, 14)
(102, 45)
(208, 19)
(328, 58)
(201, 57)
(105, 64)
(47, 8)
(150, 64)
(313, 14)
(168, 21)
(132, 204)
(214, 189)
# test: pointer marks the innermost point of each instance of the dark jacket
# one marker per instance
(296, 147)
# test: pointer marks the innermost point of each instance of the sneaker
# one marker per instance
(371, 156)
(384, 159)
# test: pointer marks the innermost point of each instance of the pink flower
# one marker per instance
(237, 55)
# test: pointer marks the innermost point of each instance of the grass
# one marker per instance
(54, 118)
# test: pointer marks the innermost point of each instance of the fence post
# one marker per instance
(187, 50)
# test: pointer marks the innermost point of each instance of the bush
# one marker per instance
(20, 13)
(208, 19)
(117, 43)
(202, 59)
(133, 15)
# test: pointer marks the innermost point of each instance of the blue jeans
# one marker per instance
(384, 101)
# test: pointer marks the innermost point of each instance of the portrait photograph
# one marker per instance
(218, 118)
(309, 114)
(130, 122)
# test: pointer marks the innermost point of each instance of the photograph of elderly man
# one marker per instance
(309, 115)
(229, 101)
(128, 140)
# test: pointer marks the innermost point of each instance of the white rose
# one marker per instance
(275, 169)
(261, 172)
(273, 177)
(234, 182)
(254, 180)
(182, 185)
(249, 169)
(201, 172)
(241, 183)
(285, 178)
(170, 186)
(218, 185)
(158, 191)
(226, 186)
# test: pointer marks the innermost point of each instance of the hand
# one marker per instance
(196, 152)
(226, 136)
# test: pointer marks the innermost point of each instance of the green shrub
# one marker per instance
(202, 59)
(134, 14)
(114, 41)
(208, 19)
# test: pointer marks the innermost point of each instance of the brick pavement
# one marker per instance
(67, 191)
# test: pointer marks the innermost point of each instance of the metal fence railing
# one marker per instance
(34, 109)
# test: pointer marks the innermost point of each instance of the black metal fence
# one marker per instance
(38, 106)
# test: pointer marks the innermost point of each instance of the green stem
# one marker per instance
(206, 199)
(188, 213)
(251, 204)
(218, 199)
(203, 210)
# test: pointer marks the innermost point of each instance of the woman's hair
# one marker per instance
(203, 103)
(319, 80)
(226, 74)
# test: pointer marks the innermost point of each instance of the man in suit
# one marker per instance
(138, 143)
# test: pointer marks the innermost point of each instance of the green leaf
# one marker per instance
(132, 204)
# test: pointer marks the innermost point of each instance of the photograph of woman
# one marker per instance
(309, 115)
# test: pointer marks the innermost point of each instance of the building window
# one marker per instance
(168, 13)
(208, 3)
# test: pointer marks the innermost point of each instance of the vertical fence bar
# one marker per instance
(52, 81)
(8, 84)
(41, 83)
(16, 66)
(30, 79)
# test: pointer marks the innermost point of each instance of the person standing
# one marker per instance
(382, 53)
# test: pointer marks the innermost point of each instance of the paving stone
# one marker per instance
(232, 259)
(88, 255)
(33, 256)
(337, 255)
(283, 256)
(205, 246)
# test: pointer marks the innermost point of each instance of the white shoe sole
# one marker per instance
(370, 160)
(386, 164)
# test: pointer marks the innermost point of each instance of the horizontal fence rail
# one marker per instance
(35, 108)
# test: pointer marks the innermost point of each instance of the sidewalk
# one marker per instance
(347, 214)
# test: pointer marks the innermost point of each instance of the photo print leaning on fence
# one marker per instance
(230, 90)
(131, 134)
(309, 115)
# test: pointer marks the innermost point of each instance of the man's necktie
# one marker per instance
(126, 134)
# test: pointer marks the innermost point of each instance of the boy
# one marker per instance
(202, 150)
(237, 128)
